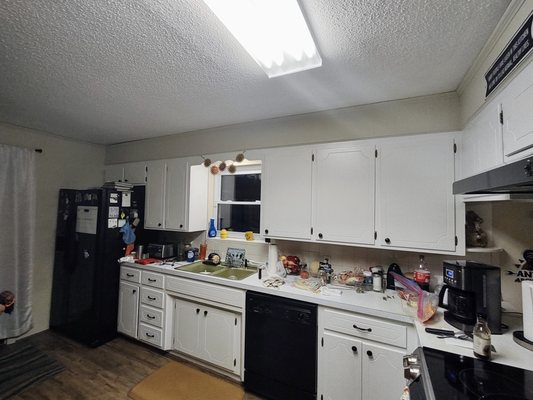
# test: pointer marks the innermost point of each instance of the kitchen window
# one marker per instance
(237, 200)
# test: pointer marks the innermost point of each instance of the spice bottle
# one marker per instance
(481, 336)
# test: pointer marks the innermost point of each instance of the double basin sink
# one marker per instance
(219, 271)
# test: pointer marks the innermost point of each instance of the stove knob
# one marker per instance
(411, 367)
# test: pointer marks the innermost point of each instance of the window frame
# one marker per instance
(253, 167)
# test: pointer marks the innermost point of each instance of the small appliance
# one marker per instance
(525, 337)
(161, 250)
(471, 288)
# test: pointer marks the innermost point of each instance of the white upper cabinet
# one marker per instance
(134, 173)
(482, 147)
(286, 193)
(176, 195)
(186, 196)
(344, 193)
(155, 194)
(517, 101)
(415, 204)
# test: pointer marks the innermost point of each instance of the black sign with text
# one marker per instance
(510, 57)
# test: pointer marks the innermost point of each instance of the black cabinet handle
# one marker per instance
(150, 335)
(387, 240)
(362, 329)
(130, 275)
(354, 349)
(150, 316)
(134, 291)
(181, 225)
(320, 236)
(152, 280)
(266, 231)
(197, 311)
(205, 313)
(159, 224)
(369, 354)
(152, 298)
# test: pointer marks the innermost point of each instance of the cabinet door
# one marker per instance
(339, 368)
(128, 309)
(344, 194)
(382, 372)
(518, 119)
(175, 203)
(416, 207)
(114, 173)
(222, 334)
(286, 193)
(155, 194)
(187, 327)
(135, 173)
(481, 147)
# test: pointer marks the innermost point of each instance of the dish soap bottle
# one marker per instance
(212, 232)
(481, 335)
(422, 275)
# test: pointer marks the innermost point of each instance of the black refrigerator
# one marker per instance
(86, 269)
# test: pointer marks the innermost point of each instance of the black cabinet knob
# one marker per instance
(266, 231)
(320, 236)
(205, 313)
(387, 240)
(354, 349)
(125, 180)
(159, 224)
(369, 354)
(181, 225)
(197, 311)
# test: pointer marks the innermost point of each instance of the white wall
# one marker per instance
(62, 164)
(437, 113)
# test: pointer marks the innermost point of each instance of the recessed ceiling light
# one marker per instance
(274, 32)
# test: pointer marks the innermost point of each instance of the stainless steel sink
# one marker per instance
(219, 271)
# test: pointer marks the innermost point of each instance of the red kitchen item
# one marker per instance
(145, 261)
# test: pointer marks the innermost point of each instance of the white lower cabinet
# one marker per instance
(352, 364)
(208, 333)
(128, 309)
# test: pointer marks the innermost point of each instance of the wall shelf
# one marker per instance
(484, 250)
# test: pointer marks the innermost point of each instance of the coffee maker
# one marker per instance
(471, 288)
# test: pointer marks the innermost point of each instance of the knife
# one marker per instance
(443, 332)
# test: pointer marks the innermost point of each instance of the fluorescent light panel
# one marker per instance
(274, 32)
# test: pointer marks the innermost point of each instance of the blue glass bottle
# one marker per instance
(212, 232)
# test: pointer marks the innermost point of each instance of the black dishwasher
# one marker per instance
(280, 347)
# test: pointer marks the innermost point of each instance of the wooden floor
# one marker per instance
(105, 373)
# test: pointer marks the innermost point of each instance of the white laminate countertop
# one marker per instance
(383, 305)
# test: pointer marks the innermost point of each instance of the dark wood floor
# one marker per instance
(105, 373)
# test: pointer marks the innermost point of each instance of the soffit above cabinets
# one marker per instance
(114, 71)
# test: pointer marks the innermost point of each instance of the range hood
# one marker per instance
(515, 178)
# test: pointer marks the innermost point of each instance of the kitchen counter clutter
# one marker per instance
(202, 316)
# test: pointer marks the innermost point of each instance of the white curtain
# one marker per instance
(17, 224)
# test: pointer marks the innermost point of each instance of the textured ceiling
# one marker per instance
(120, 70)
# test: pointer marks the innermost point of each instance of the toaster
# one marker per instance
(161, 250)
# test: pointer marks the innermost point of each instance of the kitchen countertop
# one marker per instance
(507, 351)
(383, 305)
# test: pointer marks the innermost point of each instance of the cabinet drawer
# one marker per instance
(130, 274)
(151, 335)
(207, 291)
(365, 327)
(151, 297)
(151, 316)
(152, 279)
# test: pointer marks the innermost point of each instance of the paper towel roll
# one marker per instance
(527, 309)
(272, 258)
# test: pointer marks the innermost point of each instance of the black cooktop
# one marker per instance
(456, 377)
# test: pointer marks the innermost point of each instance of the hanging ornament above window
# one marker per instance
(219, 166)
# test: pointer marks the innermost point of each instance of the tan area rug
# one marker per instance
(180, 382)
